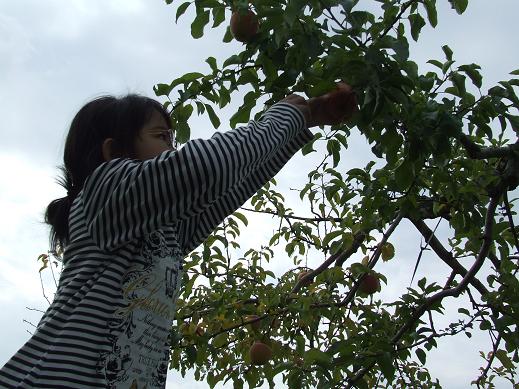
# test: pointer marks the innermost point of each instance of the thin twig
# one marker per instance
(490, 361)
(306, 219)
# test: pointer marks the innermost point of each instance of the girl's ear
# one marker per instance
(107, 149)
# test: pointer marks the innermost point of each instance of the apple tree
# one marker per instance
(443, 150)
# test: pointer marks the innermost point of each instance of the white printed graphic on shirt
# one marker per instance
(139, 332)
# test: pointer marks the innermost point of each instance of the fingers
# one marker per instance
(294, 99)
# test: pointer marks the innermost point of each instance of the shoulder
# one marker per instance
(118, 167)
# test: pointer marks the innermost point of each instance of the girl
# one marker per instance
(135, 207)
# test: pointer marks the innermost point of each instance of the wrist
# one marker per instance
(315, 105)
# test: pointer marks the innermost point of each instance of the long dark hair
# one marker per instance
(120, 118)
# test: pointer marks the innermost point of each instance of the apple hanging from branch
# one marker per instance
(369, 284)
(260, 353)
(244, 26)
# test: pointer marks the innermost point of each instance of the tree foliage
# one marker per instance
(446, 154)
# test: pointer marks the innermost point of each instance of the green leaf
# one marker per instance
(191, 354)
(212, 63)
(308, 148)
(432, 14)
(421, 355)
(472, 71)
(162, 89)
(331, 236)
(241, 217)
(401, 47)
(232, 60)
(200, 107)
(334, 147)
(515, 72)
(292, 10)
(215, 120)
(183, 132)
(242, 115)
(225, 97)
(386, 366)
(362, 384)
(448, 52)
(504, 359)
(189, 77)
(197, 27)
(464, 311)
(446, 66)
(247, 76)
(228, 35)
(417, 23)
(218, 16)
(219, 340)
(459, 81)
(184, 112)
(404, 175)
(459, 5)
(497, 91)
(317, 356)
(237, 382)
(436, 63)
(286, 79)
(181, 9)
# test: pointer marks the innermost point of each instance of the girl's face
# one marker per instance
(154, 138)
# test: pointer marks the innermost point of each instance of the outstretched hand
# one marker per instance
(334, 107)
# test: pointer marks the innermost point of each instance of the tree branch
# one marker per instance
(445, 255)
(396, 19)
(483, 253)
(339, 258)
(476, 151)
(511, 221)
(374, 258)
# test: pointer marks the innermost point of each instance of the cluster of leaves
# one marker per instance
(440, 150)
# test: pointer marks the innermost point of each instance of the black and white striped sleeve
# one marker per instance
(194, 230)
(125, 199)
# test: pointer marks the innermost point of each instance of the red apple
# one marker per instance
(260, 353)
(369, 284)
(244, 26)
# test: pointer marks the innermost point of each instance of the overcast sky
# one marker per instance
(56, 55)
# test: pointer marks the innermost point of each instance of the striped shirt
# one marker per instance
(130, 228)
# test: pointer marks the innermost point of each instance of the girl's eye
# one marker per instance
(164, 136)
